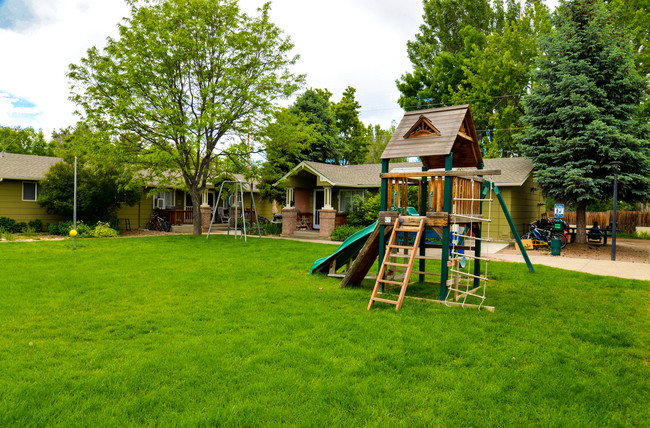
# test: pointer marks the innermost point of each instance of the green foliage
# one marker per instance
(270, 229)
(99, 194)
(36, 225)
(364, 211)
(483, 57)
(379, 138)
(7, 224)
(104, 230)
(351, 130)
(84, 230)
(314, 105)
(341, 233)
(25, 141)
(20, 227)
(581, 112)
(182, 75)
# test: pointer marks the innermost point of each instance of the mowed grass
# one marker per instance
(181, 330)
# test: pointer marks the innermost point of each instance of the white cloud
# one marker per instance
(359, 43)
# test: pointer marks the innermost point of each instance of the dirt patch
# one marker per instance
(627, 250)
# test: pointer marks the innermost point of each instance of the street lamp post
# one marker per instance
(615, 164)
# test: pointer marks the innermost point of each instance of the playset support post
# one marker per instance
(383, 206)
(444, 269)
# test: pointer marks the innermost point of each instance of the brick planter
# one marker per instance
(327, 222)
(289, 220)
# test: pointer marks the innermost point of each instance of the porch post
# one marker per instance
(289, 198)
(206, 211)
(327, 203)
(327, 215)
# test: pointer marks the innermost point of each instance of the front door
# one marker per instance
(319, 201)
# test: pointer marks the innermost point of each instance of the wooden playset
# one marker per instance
(451, 190)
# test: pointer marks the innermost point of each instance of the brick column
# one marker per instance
(206, 216)
(327, 222)
(289, 220)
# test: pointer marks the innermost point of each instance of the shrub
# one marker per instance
(104, 230)
(83, 230)
(342, 233)
(64, 228)
(364, 212)
(29, 232)
(270, 229)
(20, 227)
(36, 225)
(53, 228)
(7, 224)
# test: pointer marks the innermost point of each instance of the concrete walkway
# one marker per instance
(597, 267)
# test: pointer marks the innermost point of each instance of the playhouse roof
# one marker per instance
(435, 133)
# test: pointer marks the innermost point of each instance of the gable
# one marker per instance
(433, 134)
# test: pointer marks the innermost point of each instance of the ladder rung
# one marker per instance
(482, 278)
(379, 299)
(400, 247)
(419, 257)
(469, 256)
(469, 217)
(472, 199)
(397, 264)
(474, 237)
(388, 281)
(408, 229)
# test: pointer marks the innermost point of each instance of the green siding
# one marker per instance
(12, 205)
(523, 204)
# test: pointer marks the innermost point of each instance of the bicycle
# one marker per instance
(158, 223)
(541, 237)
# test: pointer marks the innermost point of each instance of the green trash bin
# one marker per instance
(556, 246)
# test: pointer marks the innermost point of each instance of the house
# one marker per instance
(19, 189)
(314, 186)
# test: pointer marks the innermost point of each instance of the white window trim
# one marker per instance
(156, 198)
(362, 192)
(37, 191)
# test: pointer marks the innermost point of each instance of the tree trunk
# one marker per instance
(197, 199)
(581, 223)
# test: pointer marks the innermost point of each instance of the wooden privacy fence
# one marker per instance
(626, 221)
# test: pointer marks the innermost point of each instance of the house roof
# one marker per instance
(366, 175)
(514, 172)
(25, 167)
(435, 133)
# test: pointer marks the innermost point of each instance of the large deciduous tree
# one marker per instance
(581, 112)
(25, 141)
(182, 77)
(471, 51)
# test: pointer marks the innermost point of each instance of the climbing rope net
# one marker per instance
(467, 231)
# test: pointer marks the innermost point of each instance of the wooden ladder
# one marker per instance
(409, 259)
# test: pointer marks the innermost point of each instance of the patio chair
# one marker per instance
(302, 223)
(222, 215)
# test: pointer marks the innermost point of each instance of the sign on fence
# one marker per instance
(559, 210)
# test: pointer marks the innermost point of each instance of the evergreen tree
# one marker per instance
(314, 105)
(351, 130)
(581, 112)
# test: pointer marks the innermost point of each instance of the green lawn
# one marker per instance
(182, 331)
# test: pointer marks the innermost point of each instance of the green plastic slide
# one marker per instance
(345, 251)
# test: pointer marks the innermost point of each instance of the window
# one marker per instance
(164, 199)
(346, 197)
(31, 190)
